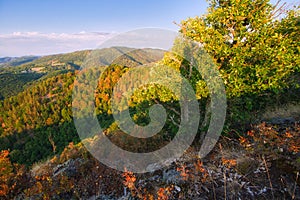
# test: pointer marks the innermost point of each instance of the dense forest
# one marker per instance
(255, 47)
(44, 110)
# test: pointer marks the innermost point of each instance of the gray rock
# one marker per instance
(172, 176)
(68, 168)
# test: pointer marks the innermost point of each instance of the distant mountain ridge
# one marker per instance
(15, 61)
(123, 55)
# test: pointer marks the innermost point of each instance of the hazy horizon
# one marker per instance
(51, 27)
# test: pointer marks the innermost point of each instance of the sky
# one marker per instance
(41, 27)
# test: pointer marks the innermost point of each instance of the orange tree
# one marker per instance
(6, 170)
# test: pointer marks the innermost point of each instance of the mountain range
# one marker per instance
(16, 72)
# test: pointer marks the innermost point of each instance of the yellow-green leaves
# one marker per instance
(254, 51)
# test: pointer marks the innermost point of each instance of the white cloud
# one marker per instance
(35, 43)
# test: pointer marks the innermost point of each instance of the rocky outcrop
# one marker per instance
(68, 168)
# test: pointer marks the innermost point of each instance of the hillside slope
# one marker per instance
(15, 76)
(37, 122)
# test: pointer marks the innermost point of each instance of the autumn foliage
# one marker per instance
(6, 169)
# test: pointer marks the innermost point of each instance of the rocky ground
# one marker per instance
(264, 163)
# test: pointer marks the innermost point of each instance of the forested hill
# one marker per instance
(75, 59)
(14, 78)
(41, 115)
